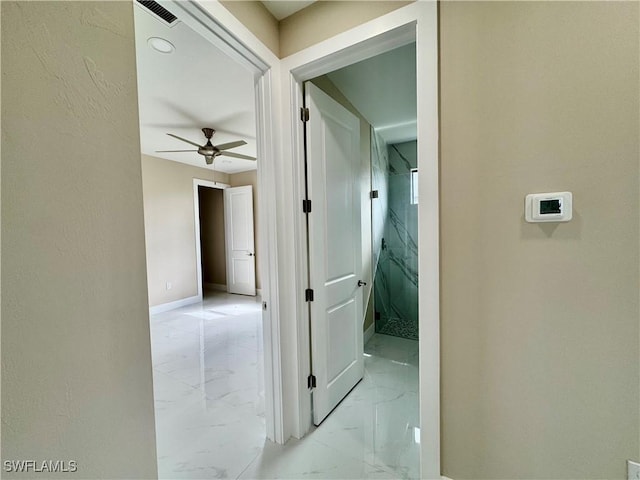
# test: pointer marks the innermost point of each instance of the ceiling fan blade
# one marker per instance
(184, 140)
(237, 155)
(167, 151)
(226, 146)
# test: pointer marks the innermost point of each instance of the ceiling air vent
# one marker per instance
(158, 10)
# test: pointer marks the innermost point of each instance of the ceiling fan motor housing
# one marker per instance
(209, 150)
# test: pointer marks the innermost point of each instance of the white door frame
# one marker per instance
(216, 24)
(198, 182)
(417, 21)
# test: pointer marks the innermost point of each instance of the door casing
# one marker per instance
(216, 24)
(415, 22)
(198, 182)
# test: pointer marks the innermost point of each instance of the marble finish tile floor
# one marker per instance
(209, 399)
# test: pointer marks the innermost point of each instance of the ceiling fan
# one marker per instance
(210, 151)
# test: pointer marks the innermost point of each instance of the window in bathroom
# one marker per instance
(414, 186)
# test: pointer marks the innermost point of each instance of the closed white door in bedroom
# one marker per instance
(241, 260)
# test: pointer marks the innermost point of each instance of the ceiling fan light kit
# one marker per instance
(210, 151)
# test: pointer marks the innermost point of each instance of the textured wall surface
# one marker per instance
(539, 322)
(255, 16)
(76, 360)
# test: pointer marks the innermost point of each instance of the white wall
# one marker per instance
(76, 360)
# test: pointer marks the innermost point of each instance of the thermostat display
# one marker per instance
(548, 207)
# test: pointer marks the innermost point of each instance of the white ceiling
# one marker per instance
(196, 86)
(199, 86)
(283, 8)
(383, 89)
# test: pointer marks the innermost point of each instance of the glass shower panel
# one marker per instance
(379, 214)
(395, 240)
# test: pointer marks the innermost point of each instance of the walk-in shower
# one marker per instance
(395, 237)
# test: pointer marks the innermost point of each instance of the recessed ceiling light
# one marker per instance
(161, 45)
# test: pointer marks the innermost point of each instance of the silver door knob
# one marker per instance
(361, 283)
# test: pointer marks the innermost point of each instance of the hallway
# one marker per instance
(209, 400)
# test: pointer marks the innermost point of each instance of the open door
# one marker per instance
(238, 222)
(335, 258)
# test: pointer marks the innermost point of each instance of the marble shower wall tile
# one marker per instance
(403, 157)
(397, 287)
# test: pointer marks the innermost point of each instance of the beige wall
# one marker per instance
(170, 227)
(539, 322)
(251, 178)
(330, 89)
(258, 19)
(325, 19)
(315, 23)
(76, 361)
(214, 256)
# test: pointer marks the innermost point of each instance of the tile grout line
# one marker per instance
(248, 465)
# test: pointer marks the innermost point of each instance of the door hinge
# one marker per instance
(374, 193)
(311, 381)
(308, 295)
(306, 206)
(304, 114)
(264, 305)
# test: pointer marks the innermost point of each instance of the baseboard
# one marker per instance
(165, 307)
(217, 287)
(368, 333)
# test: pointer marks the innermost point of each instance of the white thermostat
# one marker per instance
(548, 207)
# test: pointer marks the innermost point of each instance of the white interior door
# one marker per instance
(335, 257)
(238, 223)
